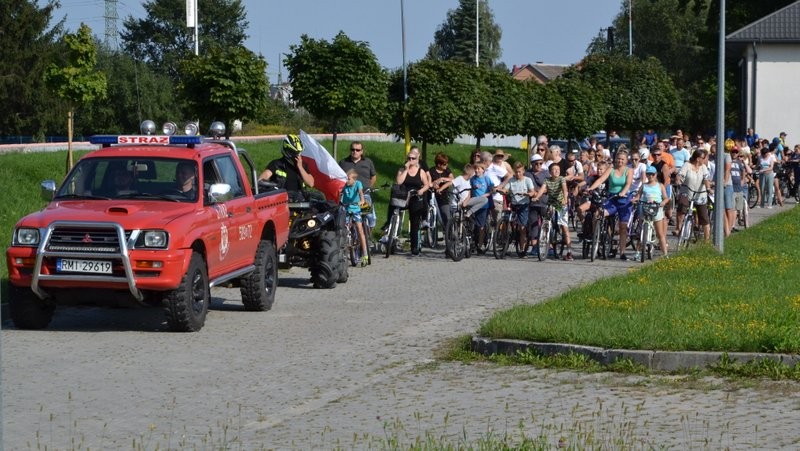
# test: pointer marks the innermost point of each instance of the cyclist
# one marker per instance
(619, 177)
(482, 187)
(694, 181)
(352, 198)
(441, 181)
(289, 172)
(556, 189)
(413, 177)
(536, 208)
(739, 173)
(654, 191)
(517, 186)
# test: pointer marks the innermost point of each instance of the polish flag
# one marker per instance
(329, 177)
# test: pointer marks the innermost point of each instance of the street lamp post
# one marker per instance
(477, 32)
(719, 173)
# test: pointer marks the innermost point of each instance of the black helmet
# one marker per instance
(292, 146)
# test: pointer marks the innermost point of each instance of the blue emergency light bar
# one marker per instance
(107, 140)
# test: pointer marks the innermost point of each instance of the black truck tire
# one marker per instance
(27, 310)
(187, 305)
(258, 288)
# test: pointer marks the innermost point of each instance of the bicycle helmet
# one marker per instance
(292, 146)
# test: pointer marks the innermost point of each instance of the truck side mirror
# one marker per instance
(48, 190)
(219, 192)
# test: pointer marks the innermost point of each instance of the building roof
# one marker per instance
(782, 26)
(539, 72)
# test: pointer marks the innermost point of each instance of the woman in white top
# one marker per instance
(766, 164)
(694, 182)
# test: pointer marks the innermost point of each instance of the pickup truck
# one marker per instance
(149, 220)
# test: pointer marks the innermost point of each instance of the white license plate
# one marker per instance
(86, 266)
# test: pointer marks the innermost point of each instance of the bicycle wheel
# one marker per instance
(544, 239)
(368, 239)
(354, 245)
(454, 240)
(597, 237)
(501, 237)
(391, 237)
(687, 231)
(425, 232)
(746, 216)
(752, 197)
(644, 240)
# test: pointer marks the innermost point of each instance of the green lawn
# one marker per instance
(747, 299)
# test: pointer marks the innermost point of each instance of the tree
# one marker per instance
(444, 98)
(224, 85)
(544, 111)
(27, 44)
(162, 38)
(337, 79)
(134, 93)
(584, 107)
(638, 94)
(502, 107)
(77, 82)
(455, 37)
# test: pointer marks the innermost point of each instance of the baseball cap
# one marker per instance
(536, 157)
(782, 134)
(651, 169)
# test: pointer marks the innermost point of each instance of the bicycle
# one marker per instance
(430, 231)
(353, 241)
(550, 235)
(753, 190)
(602, 241)
(508, 228)
(396, 222)
(458, 236)
(689, 231)
(647, 231)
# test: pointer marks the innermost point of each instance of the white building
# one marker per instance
(770, 61)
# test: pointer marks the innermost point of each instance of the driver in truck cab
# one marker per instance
(186, 179)
(289, 172)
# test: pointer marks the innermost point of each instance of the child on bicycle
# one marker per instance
(556, 189)
(352, 199)
(654, 191)
(482, 188)
(520, 188)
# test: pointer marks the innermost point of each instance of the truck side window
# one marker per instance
(230, 175)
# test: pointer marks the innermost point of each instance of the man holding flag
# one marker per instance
(305, 164)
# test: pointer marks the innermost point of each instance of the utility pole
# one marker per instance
(406, 129)
(630, 27)
(477, 32)
(192, 21)
(719, 172)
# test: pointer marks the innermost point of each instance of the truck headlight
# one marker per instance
(27, 237)
(153, 238)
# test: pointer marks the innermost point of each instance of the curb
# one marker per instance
(653, 360)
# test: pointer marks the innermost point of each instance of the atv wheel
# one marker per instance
(325, 268)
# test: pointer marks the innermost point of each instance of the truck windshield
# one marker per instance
(165, 179)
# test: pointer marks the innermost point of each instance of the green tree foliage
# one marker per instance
(161, 37)
(502, 104)
(224, 85)
(337, 79)
(77, 81)
(444, 98)
(544, 110)
(584, 108)
(637, 93)
(135, 93)
(27, 45)
(455, 37)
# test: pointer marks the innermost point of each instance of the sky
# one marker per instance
(547, 31)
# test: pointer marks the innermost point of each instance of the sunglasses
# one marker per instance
(412, 158)
(355, 150)
(656, 154)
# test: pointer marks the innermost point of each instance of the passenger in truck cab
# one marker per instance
(186, 179)
(123, 181)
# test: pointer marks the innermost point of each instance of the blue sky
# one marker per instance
(550, 31)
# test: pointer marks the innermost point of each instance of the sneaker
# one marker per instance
(364, 261)
(568, 257)
(424, 224)
(415, 252)
(522, 255)
(551, 253)
(623, 257)
(636, 256)
(534, 251)
(770, 207)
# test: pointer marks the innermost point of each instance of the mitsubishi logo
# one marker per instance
(87, 238)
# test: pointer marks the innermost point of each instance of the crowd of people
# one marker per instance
(564, 178)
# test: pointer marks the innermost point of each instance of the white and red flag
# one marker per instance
(329, 177)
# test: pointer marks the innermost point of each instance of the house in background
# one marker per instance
(769, 49)
(540, 73)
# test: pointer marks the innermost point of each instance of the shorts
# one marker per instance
(522, 213)
(702, 214)
(668, 187)
(738, 200)
(621, 206)
(729, 197)
(659, 215)
(563, 216)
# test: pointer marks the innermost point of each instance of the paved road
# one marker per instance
(343, 367)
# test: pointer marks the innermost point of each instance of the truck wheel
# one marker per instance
(258, 287)
(343, 264)
(187, 305)
(27, 310)
(325, 268)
